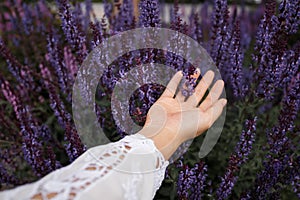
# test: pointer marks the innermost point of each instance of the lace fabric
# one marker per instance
(132, 168)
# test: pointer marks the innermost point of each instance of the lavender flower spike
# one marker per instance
(236, 61)
(191, 181)
(149, 13)
(72, 30)
(242, 151)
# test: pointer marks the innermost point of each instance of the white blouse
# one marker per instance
(132, 168)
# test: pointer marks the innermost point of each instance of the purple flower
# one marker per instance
(55, 57)
(264, 73)
(188, 90)
(226, 186)
(72, 30)
(286, 67)
(191, 181)
(291, 174)
(108, 10)
(173, 60)
(149, 13)
(195, 30)
(289, 12)
(27, 19)
(42, 13)
(30, 132)
(88, 11)
(74, 147)
(246, 28)
(22, 73)
(236, 63)
(239, 157)
(199, 182)
(70, 64)
(184, 182)
(205, 20)
(277, 137)
(276, 164)
(220, 34)
(177, 22)
(98, 32)
(296, 184)
(272, 57)
(8, 165)
(125, 18)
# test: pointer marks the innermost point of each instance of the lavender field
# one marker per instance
(255, 47)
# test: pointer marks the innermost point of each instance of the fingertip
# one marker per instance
(223, 102)
(179, 76)
(210, 73)
(179, 73)
(221, 82)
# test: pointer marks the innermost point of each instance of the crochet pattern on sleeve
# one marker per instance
(126, 166)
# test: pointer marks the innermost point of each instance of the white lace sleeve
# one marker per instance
(131, 168)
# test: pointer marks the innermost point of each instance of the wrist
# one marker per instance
(166, 141)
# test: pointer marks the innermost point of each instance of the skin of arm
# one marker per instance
(173, 119)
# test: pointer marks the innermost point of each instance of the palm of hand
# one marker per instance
(184, 119)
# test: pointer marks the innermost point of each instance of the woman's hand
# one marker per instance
(174, 119)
